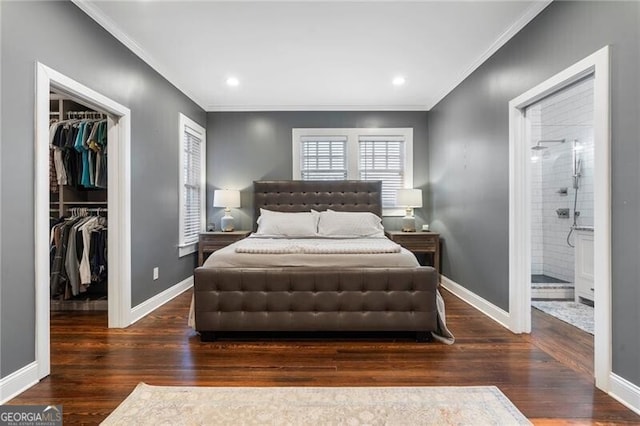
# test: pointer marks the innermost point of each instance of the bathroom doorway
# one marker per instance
(520, 205)
(562, 211)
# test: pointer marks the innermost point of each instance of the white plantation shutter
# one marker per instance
(191, 174)
(382, 158)
(323, 158)
(192, 184)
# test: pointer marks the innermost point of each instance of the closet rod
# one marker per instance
(79, 211)
(85, 114)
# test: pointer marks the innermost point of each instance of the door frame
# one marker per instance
(596, 64)
(118, 198)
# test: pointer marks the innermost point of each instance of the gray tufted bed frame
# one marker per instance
(312, 299)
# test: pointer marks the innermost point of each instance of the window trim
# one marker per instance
(353, 136)
(187, 125)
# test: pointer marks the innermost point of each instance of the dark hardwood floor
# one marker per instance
(564, 342)
(94, 368)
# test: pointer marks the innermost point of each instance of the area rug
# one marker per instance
(165, 405)
(576, 314)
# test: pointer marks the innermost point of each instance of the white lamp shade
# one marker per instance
(409, 197)
(226, 198)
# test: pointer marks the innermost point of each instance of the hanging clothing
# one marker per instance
(78, 255)
(78, 152)
(55, 135)
(85, 267)
(53, 177)
(72, 263)
(98, 146)
(59, 277)
(98, 255)
(78, 244)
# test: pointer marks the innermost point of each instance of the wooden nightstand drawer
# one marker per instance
(417, 245)
(211, 247)
(424, 242)
(212, 241)
(218, 241)
(419, 242)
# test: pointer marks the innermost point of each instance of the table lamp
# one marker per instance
(226, 198)
(409, 198)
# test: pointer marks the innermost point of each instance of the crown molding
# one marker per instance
(108, 24)
(256, 108)
(533, 11)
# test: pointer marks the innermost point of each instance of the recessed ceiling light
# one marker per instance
(398, 81)
(232, 81)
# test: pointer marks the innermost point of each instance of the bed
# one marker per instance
(286, 278)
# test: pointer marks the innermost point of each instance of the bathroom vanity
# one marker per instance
(584, 264)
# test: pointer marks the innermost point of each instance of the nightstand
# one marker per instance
(212, 241)
(419, 242)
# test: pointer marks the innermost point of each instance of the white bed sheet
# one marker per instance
(227, 257)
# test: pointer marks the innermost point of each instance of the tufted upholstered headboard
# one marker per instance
(304, 195)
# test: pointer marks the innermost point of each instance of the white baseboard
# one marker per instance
(489, 309)
(624, 391)
(21, 380)
(160, 299)
(18, 382)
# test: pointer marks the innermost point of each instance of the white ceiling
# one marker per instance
(313, 55)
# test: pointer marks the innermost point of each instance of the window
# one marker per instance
(323, 158)
(192, 184)
(361, 154)
(382, 158)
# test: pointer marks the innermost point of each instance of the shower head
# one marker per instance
(539, 146)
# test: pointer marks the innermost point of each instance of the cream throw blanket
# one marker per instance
(317, 246)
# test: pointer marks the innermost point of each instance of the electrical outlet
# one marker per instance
(156, 273)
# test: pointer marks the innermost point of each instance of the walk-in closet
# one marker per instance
(78, 206)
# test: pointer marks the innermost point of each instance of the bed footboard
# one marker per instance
(315, 299)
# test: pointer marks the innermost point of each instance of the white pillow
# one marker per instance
(349, 224)
(285, 224)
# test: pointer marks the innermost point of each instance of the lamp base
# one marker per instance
(226, 223)
(408, 224)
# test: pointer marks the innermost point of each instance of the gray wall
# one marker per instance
(62, 37)
(247, 146)
(469, 165)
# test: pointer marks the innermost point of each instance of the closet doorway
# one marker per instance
(118, 131)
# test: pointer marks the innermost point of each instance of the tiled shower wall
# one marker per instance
(566, 115)
(537, 234)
